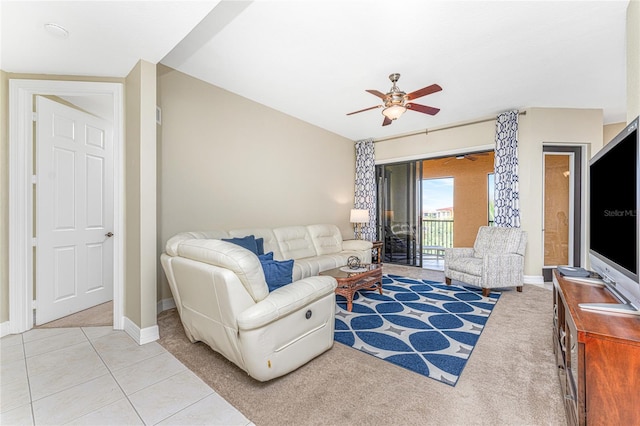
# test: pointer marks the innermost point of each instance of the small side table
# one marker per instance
(377, 246)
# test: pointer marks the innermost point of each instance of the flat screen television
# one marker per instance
(614, 202)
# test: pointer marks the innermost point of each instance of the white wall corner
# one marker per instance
(141, 336)
(166, 304)
(5, 329)
(534, 279)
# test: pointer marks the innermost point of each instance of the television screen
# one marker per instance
(613, 198)
(613, 220)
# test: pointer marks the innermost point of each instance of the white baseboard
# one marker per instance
(5, 329)
(534, 279)
(141, 336)
(166, 304)
(149, 334)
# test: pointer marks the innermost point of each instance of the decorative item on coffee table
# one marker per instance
(366, 277)
(353, 265)
(353, 262)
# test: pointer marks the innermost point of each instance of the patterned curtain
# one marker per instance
(365, 190)
(507, 193)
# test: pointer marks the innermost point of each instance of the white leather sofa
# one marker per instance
(223, 300)
(314, 248)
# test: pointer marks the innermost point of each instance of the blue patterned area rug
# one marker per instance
(424, 326)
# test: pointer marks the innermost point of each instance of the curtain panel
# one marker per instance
(365, 186)
(507, 193)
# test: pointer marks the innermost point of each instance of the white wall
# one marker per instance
(538, 127)
(549, 126)
(440, 142)
(633, 60)
(227, 162)
(140, 197)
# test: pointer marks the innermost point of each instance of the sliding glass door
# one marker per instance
(399, 213)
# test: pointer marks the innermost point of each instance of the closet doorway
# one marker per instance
(562, 219)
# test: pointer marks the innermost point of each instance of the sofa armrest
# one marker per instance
(356, 245)
(285, 300)
(457, 252)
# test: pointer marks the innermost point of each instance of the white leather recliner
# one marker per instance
(223, 300)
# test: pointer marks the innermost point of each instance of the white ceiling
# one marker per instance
(313, 59)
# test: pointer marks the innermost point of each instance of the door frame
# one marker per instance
(578, 155)
(21, 181)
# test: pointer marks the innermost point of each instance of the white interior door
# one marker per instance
(74, 210)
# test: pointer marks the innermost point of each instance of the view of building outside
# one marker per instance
(437, 213)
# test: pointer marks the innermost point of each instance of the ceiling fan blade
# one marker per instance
(423, 108)
(378, 94)
(424, 92)
(470, 157)
(366, 109)
(386, 121)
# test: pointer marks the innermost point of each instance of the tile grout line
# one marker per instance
(61, 390)
(112, 376)
(186, 369)
(70, 387)
(26, 372)
(190, 405)
(85, 334)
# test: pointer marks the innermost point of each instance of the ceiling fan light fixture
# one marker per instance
(395, 101)
(394, 111)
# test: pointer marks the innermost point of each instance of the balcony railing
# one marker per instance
(436, 234)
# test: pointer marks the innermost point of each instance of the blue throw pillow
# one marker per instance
(266, 256)
(248, 242)
(277, 273)
(260, 244)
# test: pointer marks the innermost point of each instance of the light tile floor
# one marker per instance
(432, 262)
(97, 375)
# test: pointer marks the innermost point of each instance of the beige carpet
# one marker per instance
(510, 379)
(99, 315)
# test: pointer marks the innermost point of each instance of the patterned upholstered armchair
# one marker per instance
(496, 259)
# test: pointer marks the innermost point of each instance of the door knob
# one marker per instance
(109, 234)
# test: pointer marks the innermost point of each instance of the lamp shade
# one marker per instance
(359, 216)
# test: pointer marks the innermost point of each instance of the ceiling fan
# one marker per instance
(396, 101)
(470, 157)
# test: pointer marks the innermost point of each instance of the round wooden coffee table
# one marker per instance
(368, 277)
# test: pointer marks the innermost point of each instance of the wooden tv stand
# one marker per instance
(598, 357)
